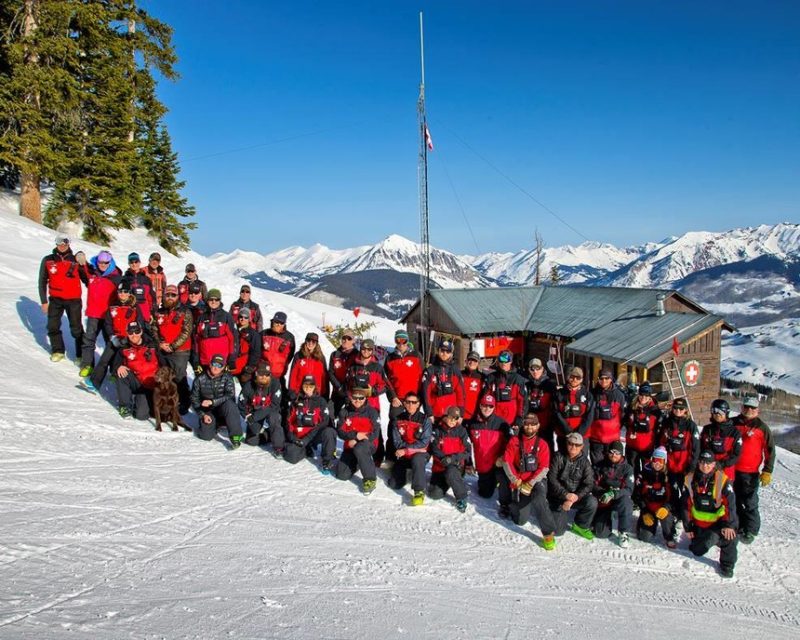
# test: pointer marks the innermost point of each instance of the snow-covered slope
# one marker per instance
(110, 530)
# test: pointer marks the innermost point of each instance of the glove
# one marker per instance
(766, 478)
(607, 497)
(198, 369)
(648, 520)
(525, 488)
(662, 513)
(498, 462)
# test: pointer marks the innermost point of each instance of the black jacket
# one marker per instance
(219, 390)
(569, 476)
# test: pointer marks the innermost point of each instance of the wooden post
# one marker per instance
(30, 201)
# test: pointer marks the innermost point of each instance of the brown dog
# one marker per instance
(165, 400)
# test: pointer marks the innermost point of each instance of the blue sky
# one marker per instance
(295, 122)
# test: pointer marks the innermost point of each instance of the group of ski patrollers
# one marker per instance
(549, 453)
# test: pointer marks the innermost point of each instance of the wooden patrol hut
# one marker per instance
(658, 335)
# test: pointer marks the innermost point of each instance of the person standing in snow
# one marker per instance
(174, 326)
(248, 353)
(278, 347)
(509, 390)
(442, 384)
(140, 286)
(642, 425)
(60, 293)
(681, 438)
(338, 364)
(246, 302)
(365, 373)
(489, 434)
(574, 409)
(722, 438)
(542, 393)
(403, 371)
(609, 407)
(473, 384)
(215, 333)
(754, 466)
(158, 279)
(309, 361)
(101, 285)
(190, 278)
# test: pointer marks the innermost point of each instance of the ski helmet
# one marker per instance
(721, 406)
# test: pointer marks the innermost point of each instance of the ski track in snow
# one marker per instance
(111, 530)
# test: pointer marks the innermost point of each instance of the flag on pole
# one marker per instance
(676, 346)
(428, 139)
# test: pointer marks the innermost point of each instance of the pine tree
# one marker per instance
(555, 276)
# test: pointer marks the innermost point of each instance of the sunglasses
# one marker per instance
(717, 412)
(605, 378)
(575, 377)
(216, 366)
(134, 261)
(572, 445)
(278, 322)
(347, 339)
(170, 295)
(359, 398)
(532, 368)
(615, 454)
(134, 332)
(367, 349)
(62, 241)
(195, 293)
(487, 406)
(410, 401)
(243, 291)
(215, 299)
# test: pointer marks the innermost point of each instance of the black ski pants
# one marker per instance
(134, 396)
(416, 463)
(226, 413)
(55, 309)
(488, 482)
(325, 437)
(536, 502)
(106, 358)
(584, 508)
(264, 427)
(451, 478)
(361, 457)
(704, 539)
(94, 327)
(623, 507)
(745, 486)
(648, 534)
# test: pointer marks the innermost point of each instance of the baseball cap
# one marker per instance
(134, 327)
(530, 418)
(190, 268)
(606, 373)
(279, 317)
(453, 412)
(446, 345)
(535, 363)
(575, 438)
(368, 343)
(680, 403)
(171, 288)
(577, 372)
(488, 400)
(244, 312)
(245, 288)
(310, 380)
(134, 257)
(348, 333)
(707, 456)
(155, 256)
(474, 355)
(751, 401)
(312, 336)
(263, 369)
(195, 288)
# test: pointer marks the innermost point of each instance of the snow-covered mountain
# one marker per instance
(111, 530)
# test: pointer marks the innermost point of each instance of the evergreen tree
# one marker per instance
(555, 276)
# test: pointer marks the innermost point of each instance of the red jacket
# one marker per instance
(758, 446)
(119, 316)
(608, 407)
(303, 366)
(142, 290)
(489, 438)
(214, 334)
(541, 396)
(510, 394)
(59, 277)
(338, 365)
(575, 410)
(101, 291)
(536, 454)
(642, 425)
(364, 420)
(709, 500)
(175, 327)
(726, 443)
(653, 489)
(452, 444)
(473, 386)
(442, 388)
(277, 349)
(158, 281)
(403, 373)
(367, 375)
(142, 360)
(681, 439)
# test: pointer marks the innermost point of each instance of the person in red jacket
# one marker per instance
(574, 408)
(365, 372)
(309, 361)
(642, 426)
(119, 315)
(246, 302)
(609, 407)
(474, 381)
(681, 438)
(189, 279)
(339, 363)
(101, 290)
(249, 350)
(174, 326)
(215, 333)
(489, 434)
(278, 347)
(755, 465)
(541, 398)
(450, 451)
(359, 426)
(722, 438)
(309, 425)
(442, 384)
(653, 494)
(140, 286)
(709, 513)
(403, 371)
(135, 367)
(411, 431)
(60, 293)
(158, 279)
(526, 462)
(509, 390)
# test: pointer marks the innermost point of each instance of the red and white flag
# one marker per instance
(676, 346)
(428, 139)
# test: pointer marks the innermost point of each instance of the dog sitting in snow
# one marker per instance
(165, 400)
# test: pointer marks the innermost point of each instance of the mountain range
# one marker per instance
(750, 275)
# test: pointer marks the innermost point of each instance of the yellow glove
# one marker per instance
(648, 520)
(499, 462)
(525, 488)
(766, 478)
(662, 513)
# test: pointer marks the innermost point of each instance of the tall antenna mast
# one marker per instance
(424, 236)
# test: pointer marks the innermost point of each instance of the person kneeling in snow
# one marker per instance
(260, 406)
(653, 494)
(526, 462)
(213, 394)
(451, 450)
(310, 425)
(613, 489)
(135, 366)
(410, 432)
(359, 425)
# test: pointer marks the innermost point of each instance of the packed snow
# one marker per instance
(111, 530)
